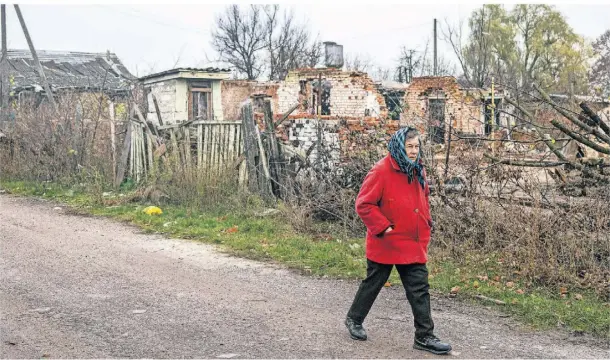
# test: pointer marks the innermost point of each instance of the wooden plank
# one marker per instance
(143, 121)
(214, 144)
(265, 180)
(175, 153)
(224, 130)
(231, 144)
(151, 159)
(243, 171)
(250, 146)
(200, 146)
(132, 150)
(136, 152)
(274, 151)
(157, 110)
(112, 138)
(206, 149)
(187, 147)
(124, 157)
(143, 151)
(141, 169)
(286, 114)
(219, 149)
(45, 83)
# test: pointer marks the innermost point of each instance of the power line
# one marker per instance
(389, 30)
(139, 14)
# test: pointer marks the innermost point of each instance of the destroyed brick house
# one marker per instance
(67, 72)
(352, 100)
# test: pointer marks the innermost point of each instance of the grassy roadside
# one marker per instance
(271, 239)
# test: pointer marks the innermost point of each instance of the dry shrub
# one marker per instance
(70, 146)
(193, 187)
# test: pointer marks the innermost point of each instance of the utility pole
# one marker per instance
(493, 117)
(435, 50)
(409, 68)
(45, 83)
(3, 73)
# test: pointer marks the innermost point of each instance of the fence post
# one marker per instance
(275, 165)
(250, 146)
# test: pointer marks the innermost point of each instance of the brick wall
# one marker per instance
(235, 92)
(352, 94)
(462, 108)
(341, 138)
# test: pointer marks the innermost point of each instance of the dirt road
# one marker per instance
(81, 287)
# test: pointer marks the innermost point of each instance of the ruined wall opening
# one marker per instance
(436, 107)
(395, 102)
(321, 102)
(488, 121)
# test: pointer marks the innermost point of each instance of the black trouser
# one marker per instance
(414, 279)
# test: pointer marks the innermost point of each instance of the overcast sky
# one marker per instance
(151, 38)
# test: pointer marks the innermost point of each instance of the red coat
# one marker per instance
(387, 199)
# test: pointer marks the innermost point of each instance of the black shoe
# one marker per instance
(432, 344)
(356, 330)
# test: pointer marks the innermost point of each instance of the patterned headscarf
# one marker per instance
(396, 146)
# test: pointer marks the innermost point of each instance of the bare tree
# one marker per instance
(239, 38)
(357, 62)
(413, 63)
(289, 44)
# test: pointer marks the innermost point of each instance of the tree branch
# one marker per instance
(571, 117)
(540, 164)
(580, 138)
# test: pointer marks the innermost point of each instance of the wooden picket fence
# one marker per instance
(218, 145)
(212, 149)
(209, 147)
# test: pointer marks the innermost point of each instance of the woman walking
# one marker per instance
(393, 204)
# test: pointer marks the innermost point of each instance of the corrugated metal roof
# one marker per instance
(183, 69)
(69, 69)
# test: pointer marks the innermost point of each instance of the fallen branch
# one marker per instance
(572, 118)
(525, 163)
(552, 147)
(498, 302)
(580, 138)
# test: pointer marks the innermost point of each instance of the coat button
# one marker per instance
(416, 210)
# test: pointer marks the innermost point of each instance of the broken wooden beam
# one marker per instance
(43, 77)
(250, 145)
(124, 155)
(157, 109)
(286, 115)
(275, 165)
(141, 119)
